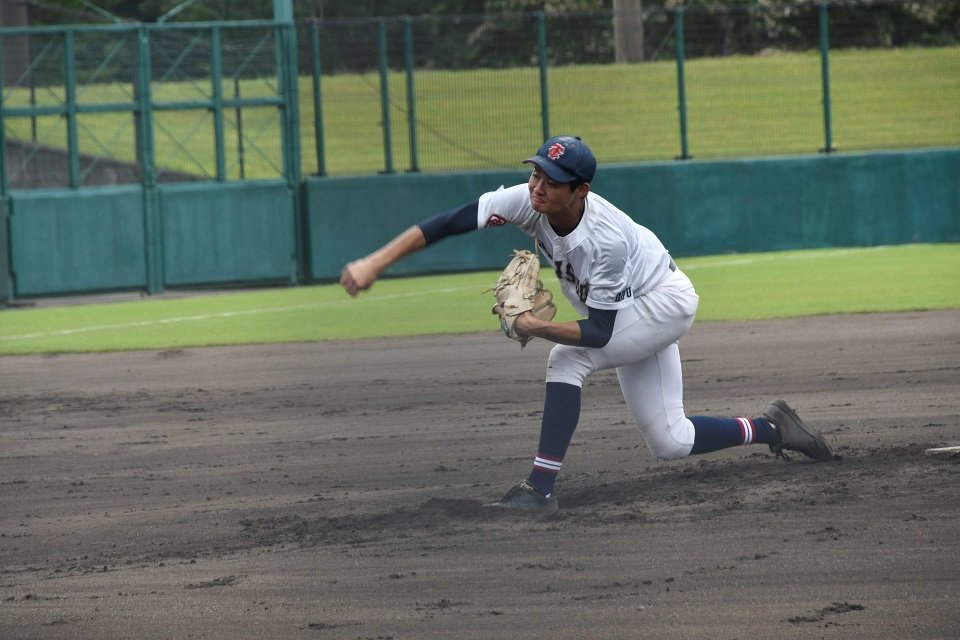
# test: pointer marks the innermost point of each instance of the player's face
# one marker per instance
(554, 199)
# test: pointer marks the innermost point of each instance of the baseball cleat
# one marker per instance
(794, 434)
(524, 497)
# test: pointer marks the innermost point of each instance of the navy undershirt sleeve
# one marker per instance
(596, 330)
(450, 223)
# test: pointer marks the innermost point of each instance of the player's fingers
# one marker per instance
(348, 282)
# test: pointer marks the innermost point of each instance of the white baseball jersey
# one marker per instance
(603, 263)
(611, 262)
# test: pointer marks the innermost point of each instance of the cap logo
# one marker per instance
(555, 151)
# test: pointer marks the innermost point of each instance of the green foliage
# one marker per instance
(735, 287)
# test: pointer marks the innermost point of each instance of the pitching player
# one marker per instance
(635, 303)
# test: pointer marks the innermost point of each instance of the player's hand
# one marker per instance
(358, 276)
(525, 323)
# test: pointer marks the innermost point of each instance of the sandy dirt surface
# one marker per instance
(335, 491)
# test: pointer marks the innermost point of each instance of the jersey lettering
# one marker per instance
(582, 290)
(567, 274)
(626, 293)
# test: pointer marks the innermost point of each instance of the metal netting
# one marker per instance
(84, 106)
(76, 101)
(470, 92)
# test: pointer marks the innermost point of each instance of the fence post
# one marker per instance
(385, 96)
(216, 78)
(238, 114)
(6, 284)
(70, 96)
(544, 92)
(3, 134)
(315, 67)
(152, 226)
(288, 79)
(825, 78)
(411, 97)
(681, 83)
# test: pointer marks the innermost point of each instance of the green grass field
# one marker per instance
(731, 287)
(739, 105)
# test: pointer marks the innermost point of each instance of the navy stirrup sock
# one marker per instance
(561, 412)
(713, 434)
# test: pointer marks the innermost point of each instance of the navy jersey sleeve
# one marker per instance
(450, 223)
(597, 329)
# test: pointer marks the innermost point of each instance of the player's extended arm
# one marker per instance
(361, 274)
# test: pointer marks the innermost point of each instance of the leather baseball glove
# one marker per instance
(519, 290)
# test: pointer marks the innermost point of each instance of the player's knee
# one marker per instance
(671, 451)
(669, 441)
(570, 365)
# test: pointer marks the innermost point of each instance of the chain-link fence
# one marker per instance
(97, 105)
(705, 81)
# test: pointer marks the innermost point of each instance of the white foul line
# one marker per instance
(224, 314)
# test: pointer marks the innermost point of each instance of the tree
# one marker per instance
(628, 30)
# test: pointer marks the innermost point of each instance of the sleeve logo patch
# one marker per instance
(495, 221)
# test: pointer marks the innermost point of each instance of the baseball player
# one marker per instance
(635, 303)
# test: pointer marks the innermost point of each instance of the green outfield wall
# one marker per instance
(102, 239)
(227, 233)
(697, 208)
(77, 241)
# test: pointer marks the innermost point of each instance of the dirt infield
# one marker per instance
(334, 491)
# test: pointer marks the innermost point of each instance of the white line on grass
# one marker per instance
(776, 257)
(225, 314)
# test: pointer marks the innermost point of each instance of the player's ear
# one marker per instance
(582, 189)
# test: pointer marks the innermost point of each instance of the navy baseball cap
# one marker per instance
(565, 159)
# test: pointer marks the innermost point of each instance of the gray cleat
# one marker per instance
(525, 497)
(794, 434)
